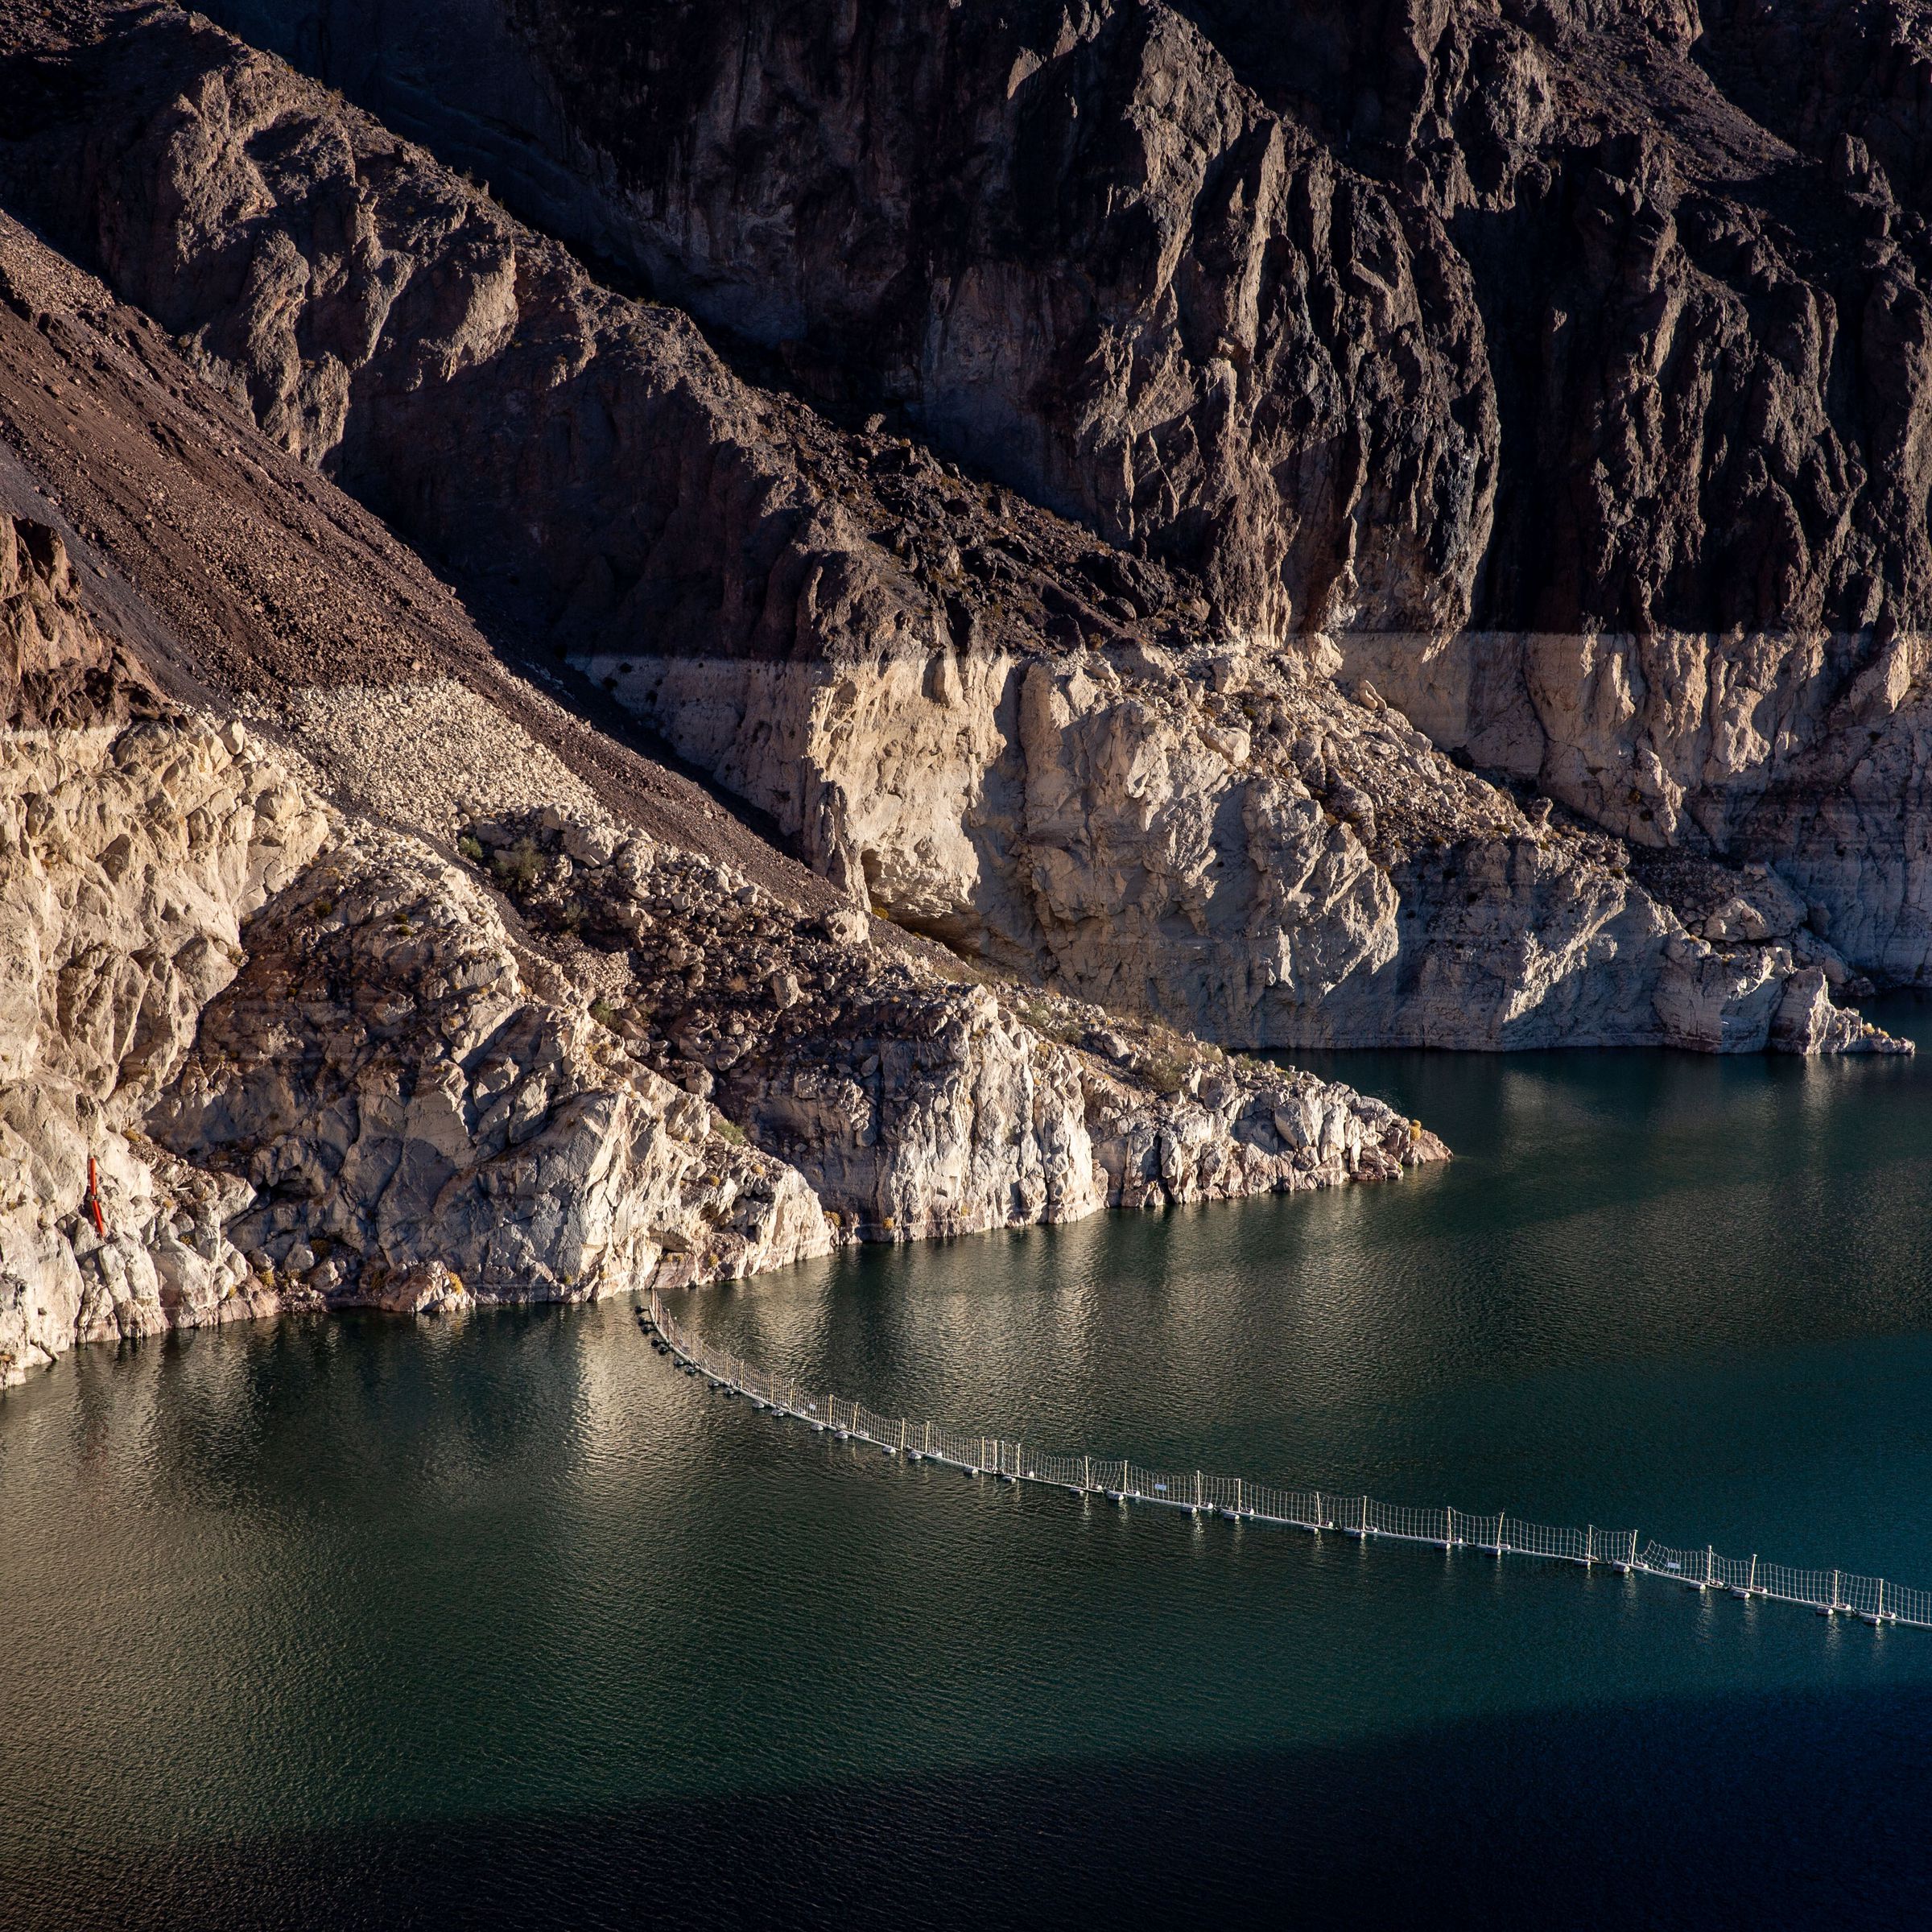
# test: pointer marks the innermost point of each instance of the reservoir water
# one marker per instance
(502, 1622)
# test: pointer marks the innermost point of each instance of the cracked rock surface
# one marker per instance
(403, 1101)
(915, 1105)
(1222, 839)
(1147, 545)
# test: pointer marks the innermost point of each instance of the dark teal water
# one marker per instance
(504, 1623)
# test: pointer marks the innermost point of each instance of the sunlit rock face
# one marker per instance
(259, 1055)
(914, 1101)
(133, 845)
(1225, 842)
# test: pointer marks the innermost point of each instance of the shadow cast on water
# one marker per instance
(1782, 1811)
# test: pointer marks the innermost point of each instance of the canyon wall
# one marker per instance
(1336, 880)
(1394, 316)
(1565, 365)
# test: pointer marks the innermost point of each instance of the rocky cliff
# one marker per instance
(1577, 315)
(1564, 364)
(418, 1043)
(1205, 527)
(841, 627)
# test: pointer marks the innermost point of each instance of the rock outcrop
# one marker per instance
(1067, 241)
(407, 1109)
(914, 1102)
(56, 669)
(1563, 364)
(1808, 756)
(310, 1008)
(372, 311)
(1222, 839)
(1284, 630)
(260, 1056)
(385, 321)
(128, 858)
(1387, 317)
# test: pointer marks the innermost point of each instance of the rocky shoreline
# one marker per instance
(504, 796)
(269, 1054)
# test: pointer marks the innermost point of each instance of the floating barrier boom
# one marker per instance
(1830, 1592)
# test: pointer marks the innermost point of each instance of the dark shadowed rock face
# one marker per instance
(57, 670)
(386, 322)
(1076, 252)
(1561, 314)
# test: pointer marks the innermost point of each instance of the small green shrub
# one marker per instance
(1165, 1073)
(520, 868)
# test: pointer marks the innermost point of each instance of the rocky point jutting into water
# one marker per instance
(393, 988)
(1149, 533)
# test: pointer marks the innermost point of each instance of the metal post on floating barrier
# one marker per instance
(1834, 1593)
(1710, 1564)
(1589, 1546)
(1751, 1581)
(1123, 1481)
(1318, 1512)
(1197, 1493)
(1502, 1540)
(1237, 1495)
(1086, 1472)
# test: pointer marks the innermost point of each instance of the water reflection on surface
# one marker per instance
(334, 1623)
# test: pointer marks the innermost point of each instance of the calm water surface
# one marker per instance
(503, 1623)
